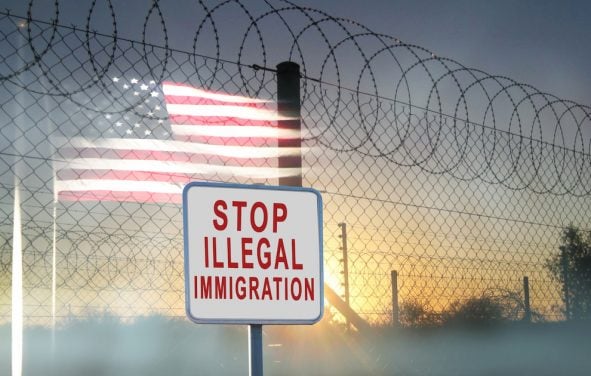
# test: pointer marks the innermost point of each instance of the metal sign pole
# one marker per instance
(255, 349)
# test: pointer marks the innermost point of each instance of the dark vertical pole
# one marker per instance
(255, 350)
(343, 227)
(288, 107)
(395, 312)
(564, 260)
(527, 316)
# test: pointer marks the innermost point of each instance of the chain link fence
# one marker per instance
(459, 180)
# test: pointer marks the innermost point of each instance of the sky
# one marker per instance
(544, 43)
(540, 42)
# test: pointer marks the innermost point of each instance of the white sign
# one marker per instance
(253, 254)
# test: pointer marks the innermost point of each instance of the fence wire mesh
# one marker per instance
(459, 180)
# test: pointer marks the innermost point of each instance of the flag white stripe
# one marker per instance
(117, 186)
(244, 152)
(239, 112)
(187, 91)
(172, 167)
(233, 131)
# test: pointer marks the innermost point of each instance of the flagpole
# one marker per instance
(17, 284)
(53, 273)
(52, 153)
(17, 300)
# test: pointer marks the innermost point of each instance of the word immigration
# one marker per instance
(246, 253)
(275, 288)
(253, 254)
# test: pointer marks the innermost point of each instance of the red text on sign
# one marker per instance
(262, 252)
(257, 215)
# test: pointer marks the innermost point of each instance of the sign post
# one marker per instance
(253, 255)
(255, 349)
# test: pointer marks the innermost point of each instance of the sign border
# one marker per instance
(186, 253)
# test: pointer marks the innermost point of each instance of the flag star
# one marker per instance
(108, 116)
(118, 124)
(157, 108)
(137, 125)
(144, 87)
(152, 82)
(136, 93)
(147, 132)
(133, 81)
(125, 86)
(126, 117)
(115, 79)
(128, 131)
(147, 101)
(160, 121)
(154, 94)
(150, 113)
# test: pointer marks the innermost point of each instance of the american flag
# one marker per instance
(174, 134)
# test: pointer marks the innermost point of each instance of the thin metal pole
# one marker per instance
(255, 350)
(527, 316)
(395, 310)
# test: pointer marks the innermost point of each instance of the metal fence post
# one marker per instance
(395, 309)
(527, 314)
(564, 262)
(343, 227)
(288, 107)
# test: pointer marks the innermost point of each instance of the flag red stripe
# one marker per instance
(229, 141)
(176, 99)
(71, 153)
